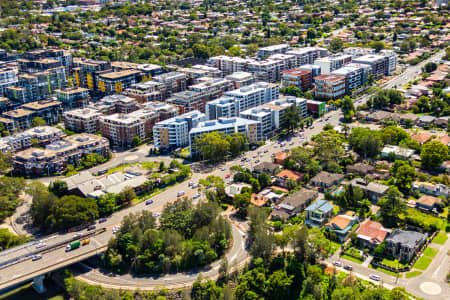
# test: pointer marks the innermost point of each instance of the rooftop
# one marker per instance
(329, 77)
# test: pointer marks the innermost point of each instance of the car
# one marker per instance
(101, 172)
(36, 257)
(337, 263)
(374, 277)
(254, 156)
(156, 214)
(265, 151)
(40, 245)
(196, 196)
(291, 143)
(180, 193)
(227, 176)
(78, 234)
(256, 161)
(348, 267)
(222, 169)
(190, 183)
(148, 202)
(102, 220)
(91, 227)
(195, 185)
(312, 127)
(433, 130)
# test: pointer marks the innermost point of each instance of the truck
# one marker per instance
(72, 246)
(85, 241)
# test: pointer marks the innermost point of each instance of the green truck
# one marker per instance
(73, 245)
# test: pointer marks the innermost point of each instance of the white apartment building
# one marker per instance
(378, 63)
(358, 51)
(391, 61)
(273, 49)
(241, 79)
(228, 64)
(8, 77)
(174, 132)
(266, 70)
(82, 120)
(330, 63)
(353, 77)
(307, 55)
(146, 91)
(287, 61)
(241, 99)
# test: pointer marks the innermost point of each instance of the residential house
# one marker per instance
(266, 167)
(326, 181)
(283, 178)
(341, 225)
(431, 189)
(421, 138)
(318, 213)
(280, 158)
(235, 188)
(293, 204)
(428, 203)
(397, 152)
(373, 190)
(371, 234)
(403, 245)
(361, 169)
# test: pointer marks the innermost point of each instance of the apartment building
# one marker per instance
(8, 77)
(22, 117)
(252, 129)
(330, 63)
(73, 97)
(39, 65)
(116, 82)
(266, 70)
(315, 70)
(174, 132)
(241, 79)
(307, 55)
(229, 65)
(271, 115)
(329, 86)
(270, 50)
(391, 61)
(241, 99)
(44, 59)
(86, 72)
(212, 88)
(287, 61)
(56, 156)
(353, 77)
(358, 51)
(82, 120)
(188, 101)
(174, 82)
(120, 129)
(146, 91)
(147, 70)
(4, 104)
(117, 103)
(165, 110)
(36, 86)
(193, 75)
(301, 79)
(378, 63)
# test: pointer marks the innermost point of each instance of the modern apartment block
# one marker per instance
(315, 70)
(73, 97)
(329, 86)
(353, 77)
(271, 115)
(8, 77)
(212, 88)
(330, 63)
(44, 59)
(39, 65)
(211, 71)
(378, 63)
(287, 61)
(116, 103)
(165, 110)
(174, 132)
(147, 70)
(228, 64)
(116, 82)
(174, 82)
(56, 156)
(241, 79)
(301, 79)
(146, 91)
(36, 86)
(242, 99)
(82, 120)
(358, 51)
(44, 135)
(21, 118)
(252, 129)
(188, 101)
(120, 129)
(391, 61)
(307, 55)
(266, 70)
(270, 50)
(86, 72)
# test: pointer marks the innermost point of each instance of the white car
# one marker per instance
(222, 169)
(156, 214)
(40, 245)
(195, 185)
(374, 277)
(337, 263)
(180, 193)
(196, 196)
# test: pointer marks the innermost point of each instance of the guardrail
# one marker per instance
(49, 249)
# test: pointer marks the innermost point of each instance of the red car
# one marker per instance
(227, 176)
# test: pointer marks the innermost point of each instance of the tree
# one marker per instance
(430, 67)
(301, 156)
(391, 206)
(377, 45)
(292, 118)
(127, 195)
(291, 91)
(433, 154)
(9, 239)
(212, 146)
(348, 108)
(241, 202)
(162, 167)
(58, 187)
(279, 284)
(336, 45)
(237, 143)
(38, 121)
(136, 142)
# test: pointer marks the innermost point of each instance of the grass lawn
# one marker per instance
(440, 238)
(413, 274)
(352, 259)
(146, 165)
(430, 252)
(383, 270)
(334, 247)
(422, 263)
(393, 263)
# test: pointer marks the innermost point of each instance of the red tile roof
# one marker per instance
(373, 230)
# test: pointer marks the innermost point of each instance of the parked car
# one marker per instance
(180, 193)
(374, 277)
(102, 220)
(196, 196)
(148, 202)
(91, 227)
(337, 263)
(227, 176)
(36, 257)
(115, 229)
(40, 245)
(156, 214)
(195, 185)
(348, 267)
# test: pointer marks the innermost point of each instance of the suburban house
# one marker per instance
(325, 181)
(293, 204)
(374, 191)
(397, 152)
(236, 188)
(283, 178)
(361, 169)
(371, 234)
(318, 213)
(341, 225)
(280, 157)
(428, 203)
(437, 190)
(403, 244)
(263, 197)
(266, 167)
(421, 138)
